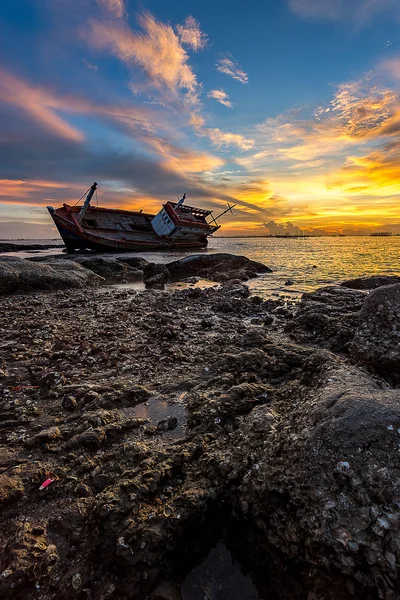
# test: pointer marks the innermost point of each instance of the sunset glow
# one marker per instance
(291, 111)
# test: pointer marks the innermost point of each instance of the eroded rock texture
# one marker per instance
(161, 418)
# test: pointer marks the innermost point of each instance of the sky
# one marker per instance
(288, 108)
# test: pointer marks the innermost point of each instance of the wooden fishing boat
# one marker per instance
(176, 225)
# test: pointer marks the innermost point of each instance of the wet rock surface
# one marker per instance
(139, 426)
(376, 342)
(17, 274)
(217, 267)
(112, 271)
(371, 283)
(328, 317)
(214, 267)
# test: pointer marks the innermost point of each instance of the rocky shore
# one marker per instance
(138, 428)
(13, 247)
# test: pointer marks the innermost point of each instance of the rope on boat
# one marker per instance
(87, 191)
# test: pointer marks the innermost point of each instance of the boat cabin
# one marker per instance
(176, 220)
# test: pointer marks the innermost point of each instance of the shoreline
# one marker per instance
(169, 420)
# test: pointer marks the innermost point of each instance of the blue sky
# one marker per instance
(289, 108)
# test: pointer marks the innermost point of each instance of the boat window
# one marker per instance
(90, 223)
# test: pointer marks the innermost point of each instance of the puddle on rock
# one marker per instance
(219, 577)
(139, 286)
(157, 409)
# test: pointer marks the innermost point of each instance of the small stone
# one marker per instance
(69, 402)
(101, 481)
(383, 523)
(343, 466)
(268, 320)
(5, 573)
(77, 581)
(83, 491)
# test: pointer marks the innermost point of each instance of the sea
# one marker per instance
(299, 264)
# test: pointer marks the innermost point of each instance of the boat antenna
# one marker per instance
(181, 201)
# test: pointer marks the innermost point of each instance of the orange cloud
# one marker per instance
(42, 105)
(392, 65)
(181, 160)
(233, 69)
(115, 7)
(221, 97)
(191, 35)
(223, 139)
(38, 103)
(156, 49)
(376, 173)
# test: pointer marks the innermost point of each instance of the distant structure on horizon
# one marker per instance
(285, 231)
(381, 234)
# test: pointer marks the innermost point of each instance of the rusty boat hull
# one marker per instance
(175, 226)
(109, 230)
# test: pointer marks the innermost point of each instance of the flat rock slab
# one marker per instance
(113, 271)
(217, 267)
(20, 275)
(370, 283)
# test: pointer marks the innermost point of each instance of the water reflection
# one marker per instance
(309, 262)
(158, 409)
(218, 577)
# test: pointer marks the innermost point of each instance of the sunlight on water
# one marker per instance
(309, 262)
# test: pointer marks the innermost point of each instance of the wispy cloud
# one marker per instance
(191, 35)
(392, 66)
(359, 11)
(39, 103)
(358, 112)
(222, 139)
(233, 69)
(156, 49)
(115, 7)
(89, 65)
(375, 173)
(221, 97)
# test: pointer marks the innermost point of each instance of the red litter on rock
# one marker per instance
(46, 483)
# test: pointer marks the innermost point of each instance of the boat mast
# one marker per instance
(86, 204)
(214, 219)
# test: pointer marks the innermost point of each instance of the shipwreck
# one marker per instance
(176, 225)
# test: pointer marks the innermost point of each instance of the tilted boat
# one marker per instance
(176, 225)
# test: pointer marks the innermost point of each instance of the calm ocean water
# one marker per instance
(294, 259)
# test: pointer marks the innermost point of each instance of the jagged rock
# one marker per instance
(217, 267)
(166, 590)
(370, 283)
(329, 317)
(329, 494)
(18, 274)
(376, 342)
(136, 262)
(287, 444)
(156, 274)
(11, 488)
